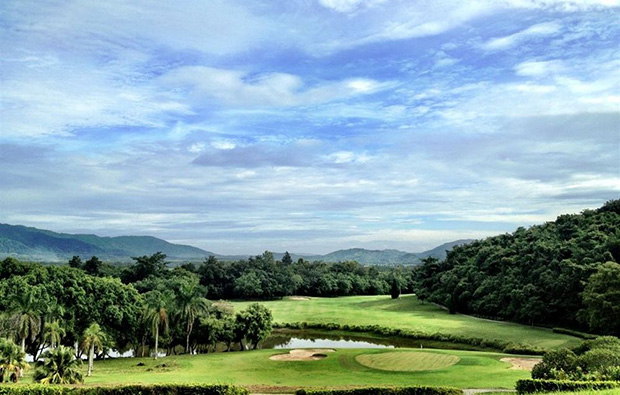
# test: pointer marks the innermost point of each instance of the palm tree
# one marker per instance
(93, 337)
(25, 316)
(52, 333)
(59, 366)
(156, 314)
(11, 360)
(190, 305)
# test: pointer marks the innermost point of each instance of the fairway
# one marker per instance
(255, 369)
(408, 361)
(408, 313)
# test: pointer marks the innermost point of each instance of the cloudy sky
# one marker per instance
(310, 125)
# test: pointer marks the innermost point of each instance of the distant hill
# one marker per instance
(368, 257)
(388, 257)
(44, 245)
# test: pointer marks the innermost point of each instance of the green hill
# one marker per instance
(44, 245)
(561, 273)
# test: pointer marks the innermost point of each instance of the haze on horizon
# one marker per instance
(307, 126)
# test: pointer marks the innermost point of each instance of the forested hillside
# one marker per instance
(562, 273)
(29, 243)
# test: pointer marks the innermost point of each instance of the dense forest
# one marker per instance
(562, 273)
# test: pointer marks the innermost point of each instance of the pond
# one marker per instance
(287, 338)
(306, 338)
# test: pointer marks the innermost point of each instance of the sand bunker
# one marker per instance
(522, 363)
(299, 298)
(306, 354)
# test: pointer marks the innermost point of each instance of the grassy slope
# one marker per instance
(408, 313)
(339, 369)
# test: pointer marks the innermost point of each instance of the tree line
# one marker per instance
(562, 273)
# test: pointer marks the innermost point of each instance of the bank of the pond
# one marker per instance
(313, 338)
(409, 315)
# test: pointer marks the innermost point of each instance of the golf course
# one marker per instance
(283, 370)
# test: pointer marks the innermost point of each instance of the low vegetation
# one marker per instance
(162, 389)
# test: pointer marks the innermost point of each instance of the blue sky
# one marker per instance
(309, 125)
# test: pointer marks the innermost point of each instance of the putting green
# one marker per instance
(410, 361)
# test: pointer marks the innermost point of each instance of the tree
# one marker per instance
(93, 266)
(25, 316)
(156, 314)
(93, 337)
(190, 305)
(53, 333)
(76, 262)
(602, 299)
(59, 366)
(12, 360)
(146, 266)
(259, 322)
(286, 259)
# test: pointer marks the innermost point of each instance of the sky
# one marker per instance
(310, 125)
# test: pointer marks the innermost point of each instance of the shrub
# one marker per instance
(528, 386)
(418, 390)
(510, 348)
(162, 389)
(572, 332)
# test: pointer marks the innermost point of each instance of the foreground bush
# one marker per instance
(386, 391)
(528, 386)
(161, 389)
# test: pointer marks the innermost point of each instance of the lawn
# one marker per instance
(254, 369)
(409, 313)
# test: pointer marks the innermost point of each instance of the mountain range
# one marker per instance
(34, 244)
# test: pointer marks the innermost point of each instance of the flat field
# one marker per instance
(254, 369)
(407, 312)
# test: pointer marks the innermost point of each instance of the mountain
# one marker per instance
(44, 245)
(388, 257)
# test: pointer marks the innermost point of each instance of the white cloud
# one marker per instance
(539, 30)
(272, 89)
(349, 5)
(538, 68)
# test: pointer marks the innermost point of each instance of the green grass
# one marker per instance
(339, 369)
(407, 361)
(409, 313)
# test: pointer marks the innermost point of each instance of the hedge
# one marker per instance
(159, 389)
(528, 386)
(575, 333)
(418, 390)
(509, 348)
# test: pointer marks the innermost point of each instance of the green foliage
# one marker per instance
(575, 333)
(597, 359)
(527, 386)
(536, 275)
(261, 277)
(418, 390)
(12, 360)
(602, 299)
(256, 322)
(59, 366)
(160, 389)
